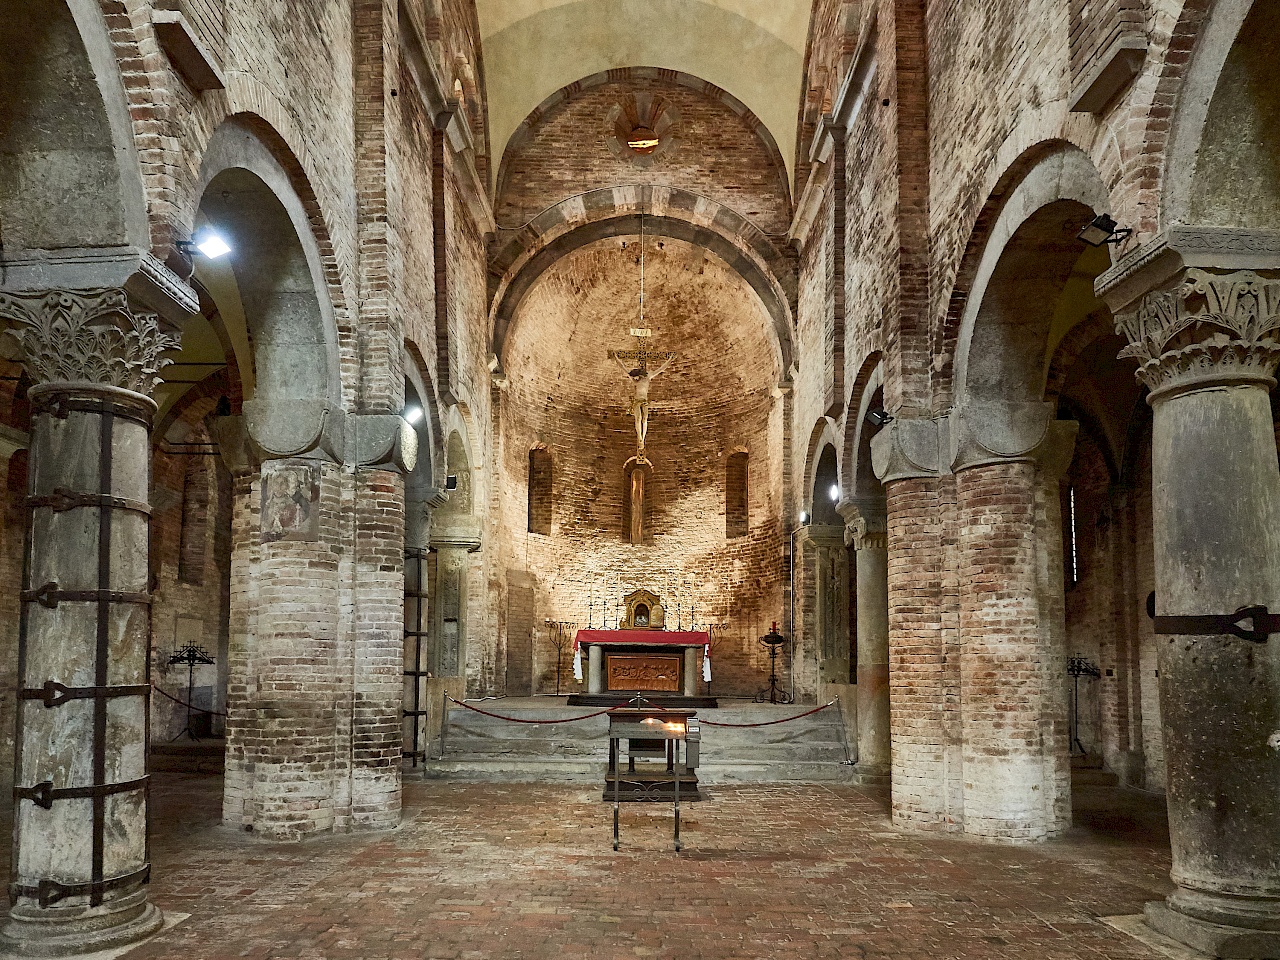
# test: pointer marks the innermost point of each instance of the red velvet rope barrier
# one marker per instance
(768, 723)
(589, 716)
(183, 703)
(498, 716)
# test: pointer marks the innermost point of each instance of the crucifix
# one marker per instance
(642, 376)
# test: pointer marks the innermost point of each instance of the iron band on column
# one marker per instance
(49, 892)
(54, 694)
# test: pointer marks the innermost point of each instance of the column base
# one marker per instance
(872, 774)
(63, 932)
(1213, 939)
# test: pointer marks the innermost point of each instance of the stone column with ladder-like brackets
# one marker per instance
(1201, 310)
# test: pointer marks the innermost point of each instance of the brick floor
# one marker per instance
(526, 871)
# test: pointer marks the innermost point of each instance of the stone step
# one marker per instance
(472, 745)
(809, 749)
(1093, 777)
(514, 769)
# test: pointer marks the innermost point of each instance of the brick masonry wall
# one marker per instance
(719, 155)
(712, 401)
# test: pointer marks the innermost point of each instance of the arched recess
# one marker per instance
(283, 297)
(1227, 107)
(858, 479)
(620, 212)
(822, 435)
(69, 173)
(1032, 282)
(524, 131)
(1031, 259)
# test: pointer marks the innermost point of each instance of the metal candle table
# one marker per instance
(652, 733)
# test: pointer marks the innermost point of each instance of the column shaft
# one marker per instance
(1010, 667)
(873, 654)
(81, 755)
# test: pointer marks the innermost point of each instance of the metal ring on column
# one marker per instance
(49, 892)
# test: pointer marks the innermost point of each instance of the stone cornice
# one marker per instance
(1157, 264)
(88, 337)
(145, 279)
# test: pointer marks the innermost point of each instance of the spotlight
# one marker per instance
(413, 415)
(210, 244)
(804, 516)
(879, 417)
(835, 493)
(1102, 230)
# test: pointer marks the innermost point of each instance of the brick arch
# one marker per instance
(418, 371)
(265, 118)
(822, 435)
(86, 116)
(1049, 172)
(666, 212)
(524, 131)
(248, 101)
(870, 378)
(1218, 27)
(1199, 44)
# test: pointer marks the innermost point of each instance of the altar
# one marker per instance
(643, 661)
(640, 657)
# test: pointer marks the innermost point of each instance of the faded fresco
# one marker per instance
(291, 503)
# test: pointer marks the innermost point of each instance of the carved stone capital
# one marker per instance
(990, 432)
(88, 337)
(1209, 329)
(383, 440)
(865, 523)
(908, 448)
(279, 429)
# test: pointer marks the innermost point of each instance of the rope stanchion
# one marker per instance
(770, 723)
(183, 703)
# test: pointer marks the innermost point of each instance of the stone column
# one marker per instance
(80, 860)
(1013, 683)
(866, 533)
(1208, 344)
(595, 668)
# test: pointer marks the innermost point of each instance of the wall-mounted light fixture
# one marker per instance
(412, 414)
(879, 417)
(835, 493)
(1103, 230)
(210, 243)
(804, 516)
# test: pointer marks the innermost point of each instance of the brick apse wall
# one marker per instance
(715, 400)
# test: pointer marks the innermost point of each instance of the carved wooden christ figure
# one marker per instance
(642, 377)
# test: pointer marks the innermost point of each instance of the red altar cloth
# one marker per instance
(686, 638)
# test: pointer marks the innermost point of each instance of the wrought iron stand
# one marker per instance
(774, 693)
(191, 654)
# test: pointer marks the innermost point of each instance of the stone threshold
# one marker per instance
(1135, 925)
